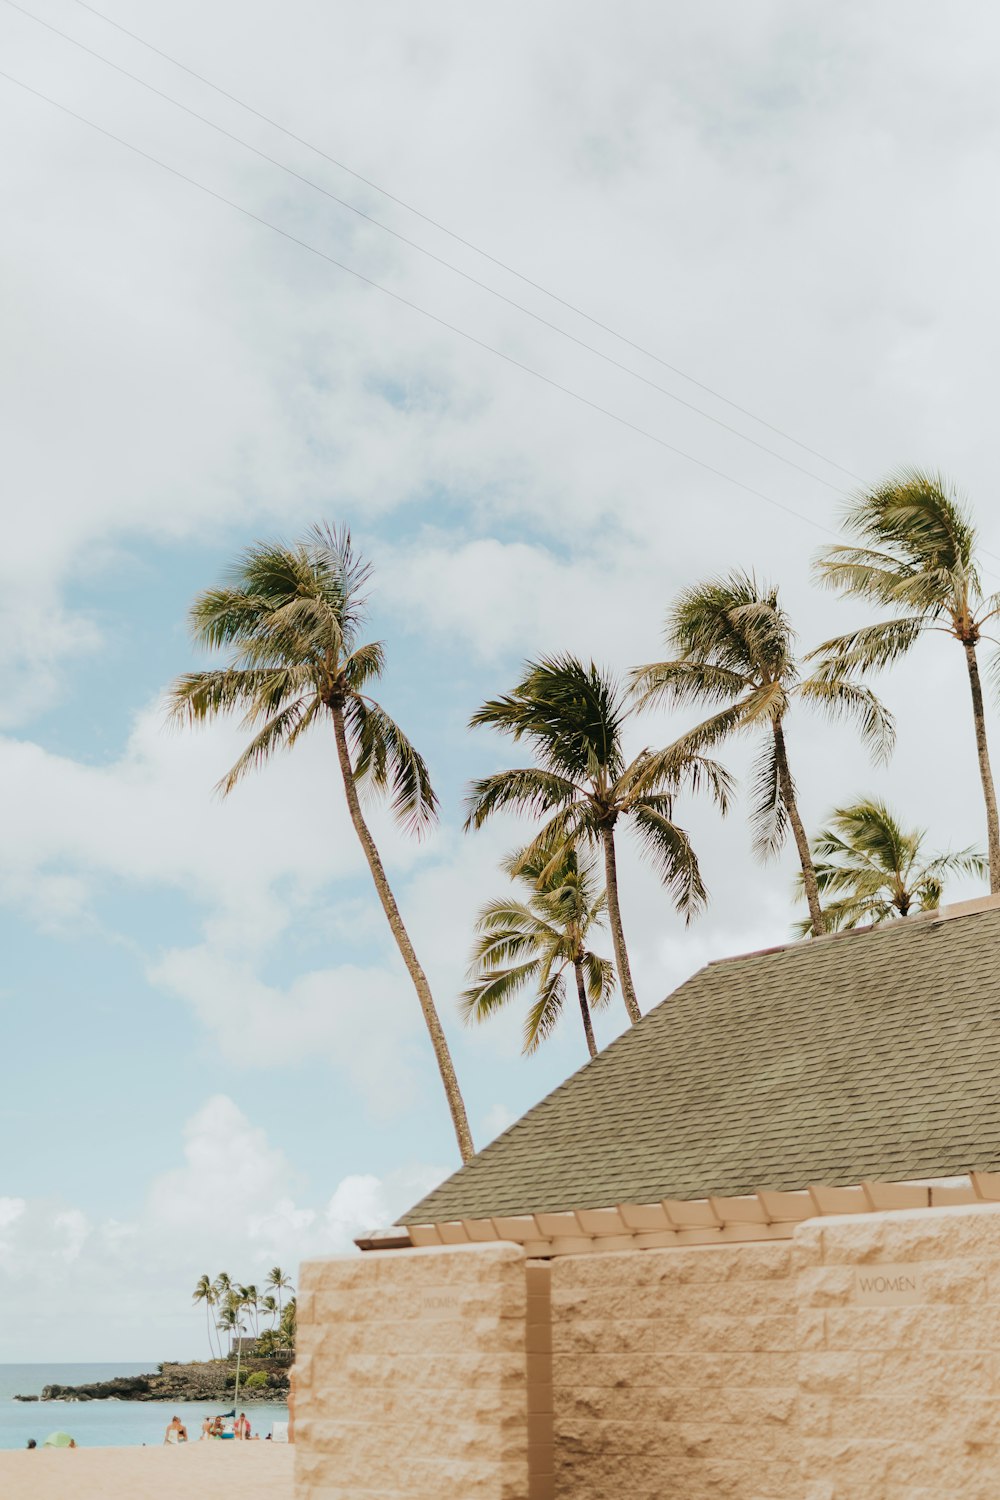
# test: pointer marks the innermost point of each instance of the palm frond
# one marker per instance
(494, 990)
(840, 699)
(868, 649)
(668, 849)
(279, 733)
(543, 1017)
(570, 712)
(197, 696)
(769, 818)
(686, 681)
(385, 759)
(600, 980)
(529, 791)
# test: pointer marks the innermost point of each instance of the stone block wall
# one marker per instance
(411, 1376)
(899, 1365)
(674, 1374)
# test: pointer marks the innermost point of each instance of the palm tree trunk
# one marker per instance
(617, 930)
(787, 786)
(438, 1041)
(985, 772)
(581, 990)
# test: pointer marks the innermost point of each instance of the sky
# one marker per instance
(213, 1059)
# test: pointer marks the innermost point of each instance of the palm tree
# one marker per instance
(269, 1305)
(229, 1322)
(573, 716)
(279, 1282)
(291, 618)
(734, 646)
(917, 557)
(205, 1292)
(875, 870)
(536, 941)
(248, 1300)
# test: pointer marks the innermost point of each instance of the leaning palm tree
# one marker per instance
(269, 1305)
(917, 557)
(537, 942)
(290, 617)
(229, 1323)
(734, 647)
(574, 718)
(874, 869)
(205, 1292)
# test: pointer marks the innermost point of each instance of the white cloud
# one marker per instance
(77, 1287)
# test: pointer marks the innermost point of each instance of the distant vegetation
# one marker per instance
(234, 1311)
(290, 619)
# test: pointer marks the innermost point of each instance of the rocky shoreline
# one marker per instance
(210, 1381)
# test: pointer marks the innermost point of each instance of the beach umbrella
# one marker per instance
(59, 1440)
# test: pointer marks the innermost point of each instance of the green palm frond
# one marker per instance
(543, 1017)
(495, 989)
(840, 699)
(599, 977)
(528, 790)
(668, 848)
(385, 759)
(279, 733)
(570, 712)
(868, 649)
(677, 682)
(769, 817)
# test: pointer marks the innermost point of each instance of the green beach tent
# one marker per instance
(59, 1440)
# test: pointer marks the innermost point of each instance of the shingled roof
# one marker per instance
(869, 1055)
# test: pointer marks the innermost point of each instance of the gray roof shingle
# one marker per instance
(871, 1055)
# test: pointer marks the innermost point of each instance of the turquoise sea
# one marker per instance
(102, 1424)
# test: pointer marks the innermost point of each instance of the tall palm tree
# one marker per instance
(574, 716)
(290, 617)
(874, 869)
(734, 646)
(279, 1282)
(269, 1305)
(205, 1292)
(917, 557)
(535, 942)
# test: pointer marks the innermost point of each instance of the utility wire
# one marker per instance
(469, 245)
(422, 250)
(415, 307)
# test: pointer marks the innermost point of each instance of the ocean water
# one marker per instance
(103, 1424)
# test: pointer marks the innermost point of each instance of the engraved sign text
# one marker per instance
(887, 1285)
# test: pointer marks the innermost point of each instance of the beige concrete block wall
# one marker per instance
(674, 1374)
(411, 1376)
(901, 1382)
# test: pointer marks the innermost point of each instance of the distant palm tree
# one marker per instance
(205, 1292)
(573, 716)
(734, 646)
(291, 617)
(535, 942)
(279, 1282)
(269, 1305)
(917, 557)
(874, 869)
(229, 1322)
(248, 1301)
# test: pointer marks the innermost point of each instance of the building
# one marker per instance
(751, 1250)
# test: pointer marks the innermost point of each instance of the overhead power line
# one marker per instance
(422, 250)
(414, 306)
(470, 245)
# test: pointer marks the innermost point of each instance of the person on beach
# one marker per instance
(32, 1443)
(176, 1432)
(206, 1429)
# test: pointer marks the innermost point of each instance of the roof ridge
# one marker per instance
(972, 908)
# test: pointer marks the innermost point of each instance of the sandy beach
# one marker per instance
(199, 1471)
